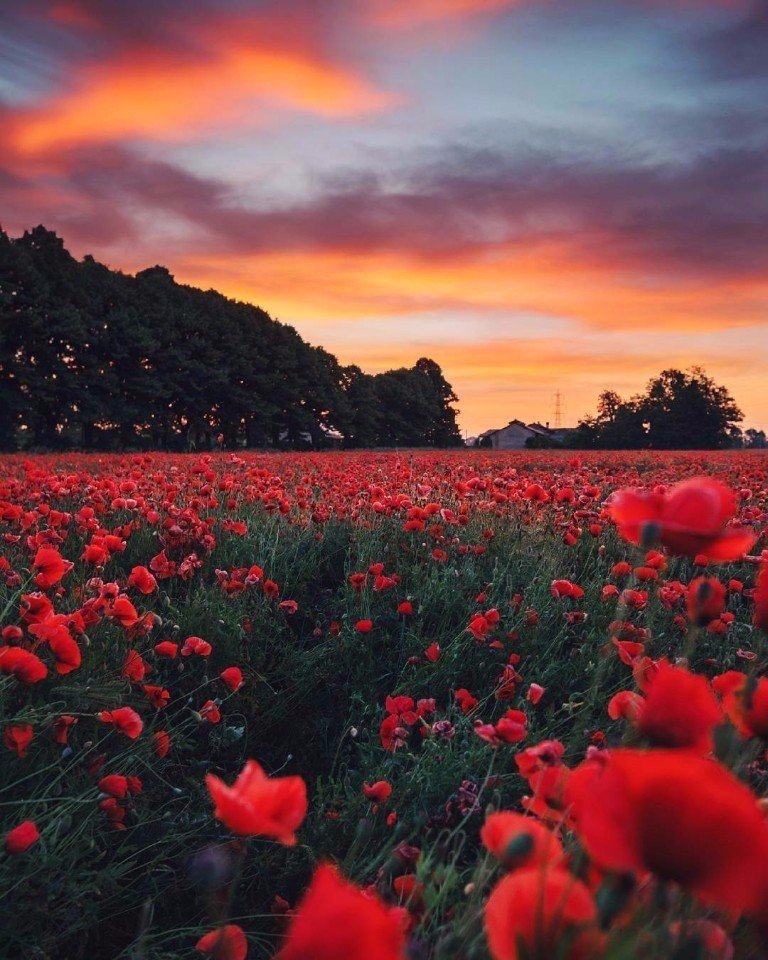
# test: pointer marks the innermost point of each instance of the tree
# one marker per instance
(680, 410)
(93, 357)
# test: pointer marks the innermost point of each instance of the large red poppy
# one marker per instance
(679, 816)
(690, 519)
(338, 921)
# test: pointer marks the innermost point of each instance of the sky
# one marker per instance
(541, 195)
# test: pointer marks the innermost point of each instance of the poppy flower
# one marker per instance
(196, 646)
(18, 737)
(143, 580)
(745, 702)
(167, 648)
(679, 816)
(232, 677)
(679, 710)
(158, 696)
(760, 616)
(364, 626)
(225, 943)
(124, 612)
(519, 841)
(541, 914)
(124, 720)
(51, 567)
(690, 519)
(21, 838)
(61, 727)
(378, 792)
(134, 667)
(161, 743)
(26, 666)
(258, 805)
(705, 600)
(338, 921)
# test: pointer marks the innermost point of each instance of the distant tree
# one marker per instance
(688, 410)
(755, 439)
(679, 410)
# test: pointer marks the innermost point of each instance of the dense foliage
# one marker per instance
(92, 357)
(403, 644)
(679, 410)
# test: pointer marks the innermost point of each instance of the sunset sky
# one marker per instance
(540, 195)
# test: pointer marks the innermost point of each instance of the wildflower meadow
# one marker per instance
(384, 706)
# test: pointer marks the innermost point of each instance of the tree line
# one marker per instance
(95, 358)
(679, 410)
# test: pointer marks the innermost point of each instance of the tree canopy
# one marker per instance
(680, 410)
(96, 358)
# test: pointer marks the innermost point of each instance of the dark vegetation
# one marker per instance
(94, 358)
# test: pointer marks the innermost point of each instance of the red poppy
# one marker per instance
(134, 667)
(18, 737)
(232, 677)
(196, 646)
(519, 841)
(364, 626)
(167, 648)
(745, 702)
(705, 600)
(378, 792)
(158, 696)
(225, 943)
(143, 580)
(22, 664)
(125, 720)
(689, 519)
(760, 616)
(258, 805)
(210, 712)
(338, 921)
(679, 710)
(61, 727)
(21, 838)
(681, 817)
(161, 743)
(51, 566)
(541, 914)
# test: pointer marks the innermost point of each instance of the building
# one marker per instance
(518, 435)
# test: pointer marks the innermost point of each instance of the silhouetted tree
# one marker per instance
(680, 410)
(94, 357)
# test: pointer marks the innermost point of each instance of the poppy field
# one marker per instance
(378, 706)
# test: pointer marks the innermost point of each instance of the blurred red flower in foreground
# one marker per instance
(678, 816)
(338, 921)
(536, 913)
(257, 805)
(690, 519)
(226, 943)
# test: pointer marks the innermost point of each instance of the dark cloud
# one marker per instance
(738, 51)
(706, 215)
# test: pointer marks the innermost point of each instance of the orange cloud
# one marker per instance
(149, 94)
(501, 378)
(553, 278)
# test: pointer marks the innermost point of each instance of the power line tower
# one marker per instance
(558, 410)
